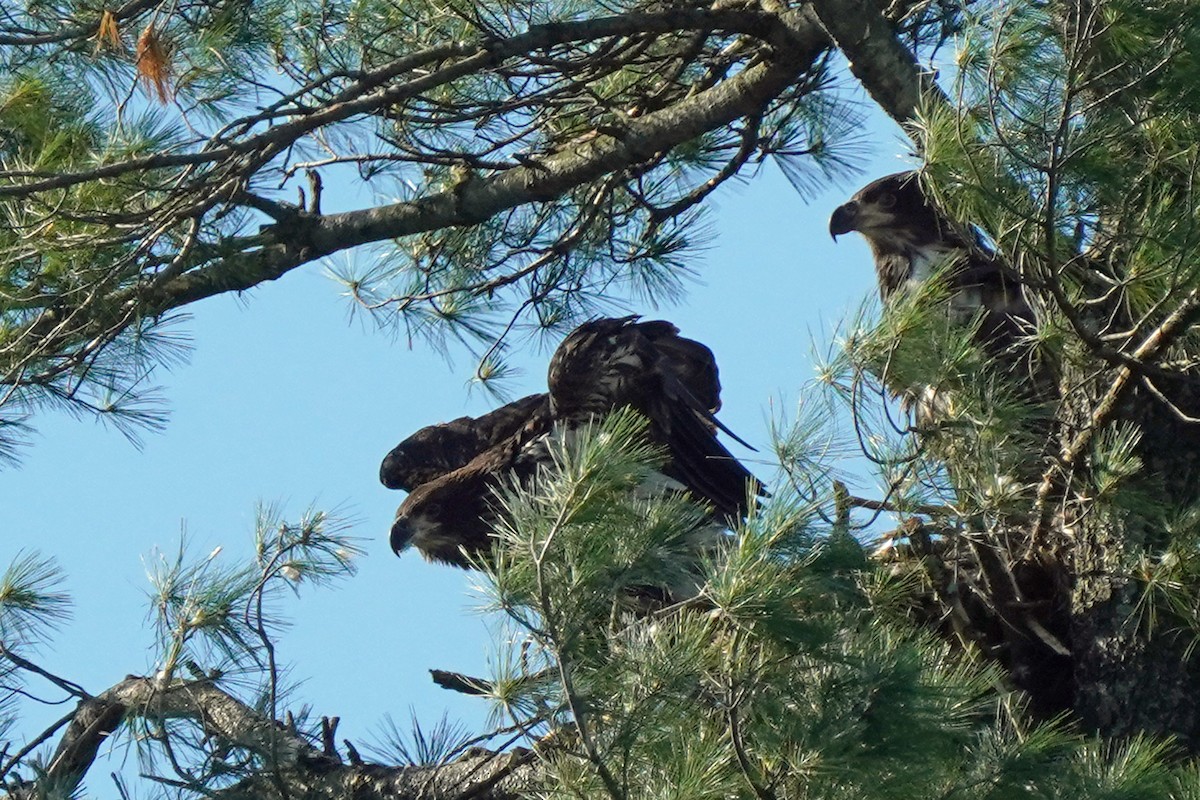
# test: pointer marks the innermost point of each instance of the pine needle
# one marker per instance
(108, 34)
(154, 63)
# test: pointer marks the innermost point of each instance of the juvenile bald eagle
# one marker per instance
(436, 450)
(910, 238)
(1010, 605)
(453, 469)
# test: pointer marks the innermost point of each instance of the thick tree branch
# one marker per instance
(162, 262)
(297, 766)
(478, 775)
(458, 682)
(796, 43)
(887, 69)
(95, 720)
(217, 712)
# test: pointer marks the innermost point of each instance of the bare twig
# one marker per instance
(70, 687)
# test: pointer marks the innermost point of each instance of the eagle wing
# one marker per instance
(439, 449)
(453, 469)
(672, 381)
(449, 518)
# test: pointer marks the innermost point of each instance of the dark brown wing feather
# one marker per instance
(436, 450)
(601, 366)
(672, 381)
(690, 363)
(449, 518)
(710, 472)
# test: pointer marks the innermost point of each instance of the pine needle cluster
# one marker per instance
(788, 675)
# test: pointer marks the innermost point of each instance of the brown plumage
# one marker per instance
(602, 365)
(909, 238)
(438, 449)
(448, 518)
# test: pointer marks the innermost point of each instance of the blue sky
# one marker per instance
(287, 400)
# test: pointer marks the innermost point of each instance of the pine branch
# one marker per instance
(95, 720)
(1175, 324)
(926, 509)
(219, 713)
(86, 30)
(298, 767)
(478, 775)
(306, 237)
(378, 89)
(70, 687)
(220, 172)
(18, 757)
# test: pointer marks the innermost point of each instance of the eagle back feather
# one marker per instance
(602, 365)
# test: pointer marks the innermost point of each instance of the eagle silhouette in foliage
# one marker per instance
(452, 470)
(1011, 605)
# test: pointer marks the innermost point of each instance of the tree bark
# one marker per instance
(302, 237)
(295, 767)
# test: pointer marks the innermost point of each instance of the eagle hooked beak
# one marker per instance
(843, 219)
(401, 535)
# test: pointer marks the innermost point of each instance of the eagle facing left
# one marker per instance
(910, 238)
(452, 470)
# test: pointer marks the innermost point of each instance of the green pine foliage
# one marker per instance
(1073, 141)
(156, 158)
(219, 615)
(794, 671)
(31, 603)
(153, 156)
(941, 422)
(789, 675)
(215, 621)
(1073, 144)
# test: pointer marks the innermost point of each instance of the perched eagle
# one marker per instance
(910, 238)
(451, 470)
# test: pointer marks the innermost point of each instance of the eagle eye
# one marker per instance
(887, 201)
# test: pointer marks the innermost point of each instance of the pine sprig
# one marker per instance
(31, 602)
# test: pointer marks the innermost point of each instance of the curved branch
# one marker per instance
(479, 774)
(299, 768)
(796, 43)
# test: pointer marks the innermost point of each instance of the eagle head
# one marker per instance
(892, 207)
(907, 236)
(449, 520)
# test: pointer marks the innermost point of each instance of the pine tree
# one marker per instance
(1027, 632)
(1068, 138)
(540, 158)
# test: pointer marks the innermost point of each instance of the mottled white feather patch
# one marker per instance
(925, 261)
